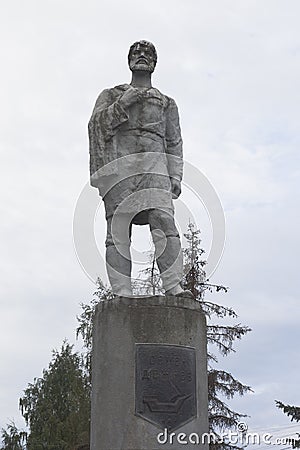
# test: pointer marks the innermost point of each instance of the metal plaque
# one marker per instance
(165, 384)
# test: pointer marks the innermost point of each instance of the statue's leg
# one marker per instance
(167, 248)
(118, 260)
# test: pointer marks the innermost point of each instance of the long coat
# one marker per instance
(137, 150)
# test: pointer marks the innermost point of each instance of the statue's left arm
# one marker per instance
(174, 147)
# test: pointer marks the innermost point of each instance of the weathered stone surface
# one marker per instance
(120, 326)
(136, 164)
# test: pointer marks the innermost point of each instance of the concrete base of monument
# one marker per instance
(149, 374)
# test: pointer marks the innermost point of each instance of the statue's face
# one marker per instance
(142, 58)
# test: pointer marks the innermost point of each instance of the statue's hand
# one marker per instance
(130, 96)
(175, 188)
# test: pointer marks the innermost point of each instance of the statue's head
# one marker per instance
(142, 56)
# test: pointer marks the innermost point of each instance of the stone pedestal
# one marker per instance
(149, 373)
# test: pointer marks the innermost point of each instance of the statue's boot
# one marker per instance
(177, 291)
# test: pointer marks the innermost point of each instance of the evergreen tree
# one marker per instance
(294, 413)
(220, 383)
(85, 320)
(12, 438)
(56, 407)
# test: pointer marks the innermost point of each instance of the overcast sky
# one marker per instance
(233, 68)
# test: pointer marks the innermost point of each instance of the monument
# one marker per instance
(149, 353)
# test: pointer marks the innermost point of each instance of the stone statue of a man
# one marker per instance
(136, 163)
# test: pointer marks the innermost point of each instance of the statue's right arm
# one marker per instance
(108, 114)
